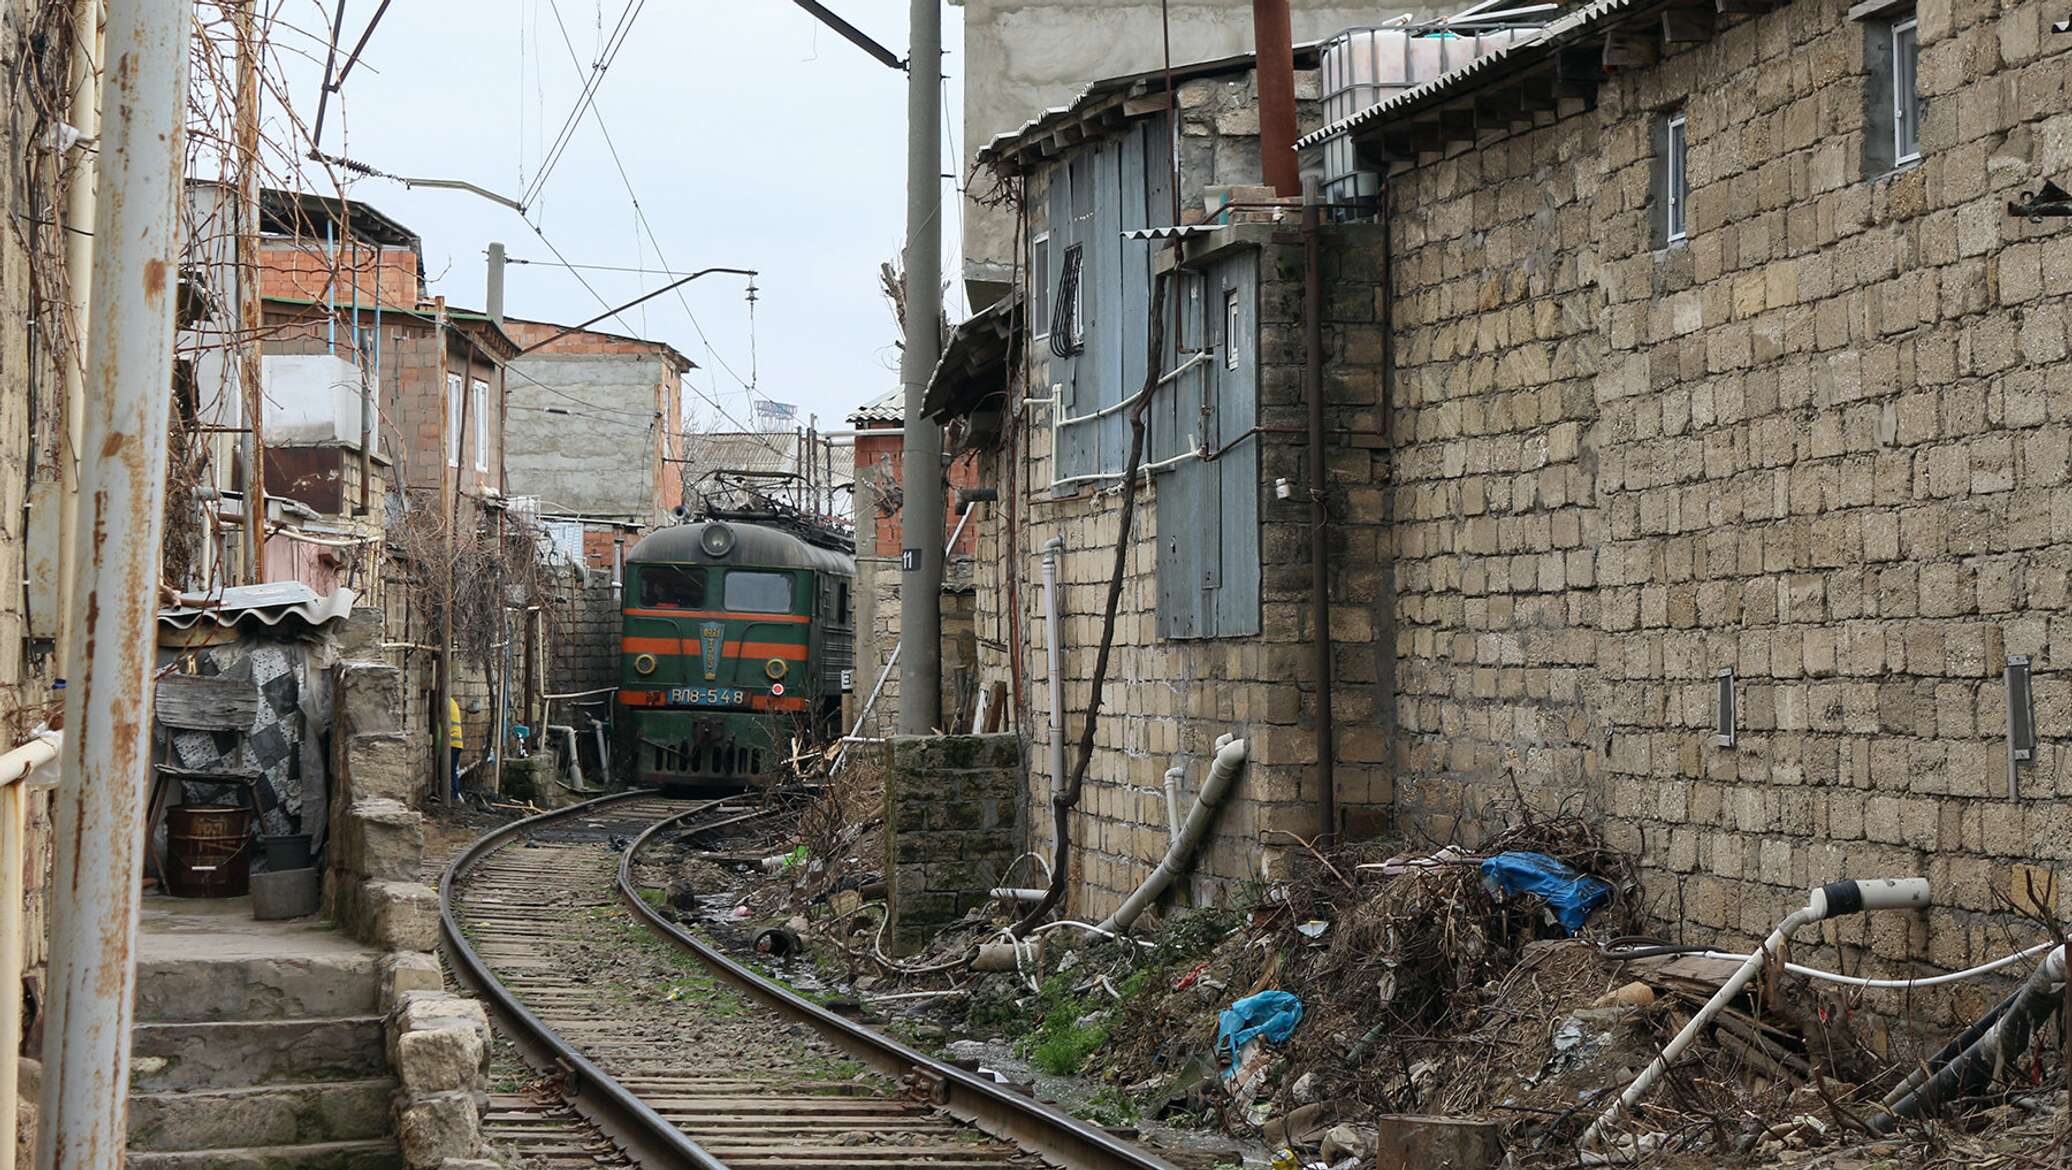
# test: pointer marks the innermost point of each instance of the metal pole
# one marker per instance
(449, 490)
(79, 263)
(1273, 45)
(497, 260)
(107, 750)
(920, 558)
(13, 843)
(248, 287)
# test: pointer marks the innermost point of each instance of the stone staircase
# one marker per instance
(261, 1062)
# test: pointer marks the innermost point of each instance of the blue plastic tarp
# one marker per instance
(1271, 1015)
(1573, 896)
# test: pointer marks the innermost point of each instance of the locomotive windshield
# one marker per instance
(748, 592)
(672, 587)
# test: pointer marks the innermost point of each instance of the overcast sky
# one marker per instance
(753, 137)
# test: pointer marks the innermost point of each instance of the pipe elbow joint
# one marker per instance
(1855, 897)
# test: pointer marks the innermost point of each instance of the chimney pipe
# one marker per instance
(496, 283)
(1273, 43)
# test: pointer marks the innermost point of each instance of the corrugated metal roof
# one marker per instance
(889, 407)
(1565, 31)
(1013, 142)
(274, 604)
(1168, 233)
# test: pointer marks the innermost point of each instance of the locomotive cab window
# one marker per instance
(749, 592)
(672, 587)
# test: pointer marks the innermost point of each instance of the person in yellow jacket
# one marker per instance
(453, 741)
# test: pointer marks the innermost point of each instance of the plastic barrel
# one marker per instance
(208, 851)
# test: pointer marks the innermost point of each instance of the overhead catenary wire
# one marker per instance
(591, 85)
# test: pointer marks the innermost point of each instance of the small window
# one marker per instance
(1233, 328)
(453, 393)
(672, 587)
(480, 406)
(1039, 285)
(1676, 181)
(1068, 326)
(749, 592)
(1906, 102)
(842, 603)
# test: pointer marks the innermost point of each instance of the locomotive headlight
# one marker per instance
(776, 668)
(717, 540)
(644, 664)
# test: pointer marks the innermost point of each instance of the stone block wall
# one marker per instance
(584, 646)
(1166, 700)
(950, 829)
(1826, 442)
(374, 857)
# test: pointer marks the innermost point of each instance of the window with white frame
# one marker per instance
(1039, 285)
(1906, 101)
(1676, 184)
(453, 393)
(1233, 328)
(480, 406)
(1892, 105)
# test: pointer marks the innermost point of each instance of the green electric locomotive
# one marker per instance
(737, 641)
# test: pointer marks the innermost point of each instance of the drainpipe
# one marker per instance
(121, 522)
(1054, 659)
(79, 262)
(1319, 508)
(1273, 44)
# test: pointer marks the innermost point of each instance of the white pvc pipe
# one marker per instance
(575, 754)
(1229, 758)
(97, 867)
(1839, 898)
(1054, 660)
(1172, 799)
(16, 764)
(1899, 984)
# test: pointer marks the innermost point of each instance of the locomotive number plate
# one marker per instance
(707, 696)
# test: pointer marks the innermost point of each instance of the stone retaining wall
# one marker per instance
(950, 829)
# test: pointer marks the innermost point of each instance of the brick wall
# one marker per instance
(1167, 700)
(1823, 442)
(303, 271)
(950, 810)
(583, 650)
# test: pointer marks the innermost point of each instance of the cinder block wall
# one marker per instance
(951, 805)
(1167, 700)
(1824, 442)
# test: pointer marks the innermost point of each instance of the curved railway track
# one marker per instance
(682, 1057)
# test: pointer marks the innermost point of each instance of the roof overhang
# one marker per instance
(970, 381)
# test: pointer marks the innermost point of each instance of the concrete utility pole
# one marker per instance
(1273, 45)
(920, 521)
(249, 365)
(449, 514)
(97, 864)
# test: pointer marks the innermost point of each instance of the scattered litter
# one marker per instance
(1572, 896)
(1269, 1015)
(1313, 929)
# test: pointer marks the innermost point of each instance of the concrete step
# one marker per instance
(201, 988)
(368, 1155)
(233, 1054)
(273, 1115)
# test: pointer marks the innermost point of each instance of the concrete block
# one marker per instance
(1435, 1143)
(402, 972)
(438, 1060)
(385, 767)
(370, 698)
(228, 1054)
(397, 916)
(431, 1130)
(382, 840)
(293, 893)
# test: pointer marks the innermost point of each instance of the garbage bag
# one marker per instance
(1573, 896)
(1271, 1015)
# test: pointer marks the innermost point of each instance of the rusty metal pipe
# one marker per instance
(1273, 45)
(97, 871)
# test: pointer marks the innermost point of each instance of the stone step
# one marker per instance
(201, 988)
(273, 1115)
(367, 1155)
(232, 1054)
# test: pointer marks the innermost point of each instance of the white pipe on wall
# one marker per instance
(1230, 756)
(1054, 660)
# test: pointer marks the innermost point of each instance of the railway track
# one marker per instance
(681, 1057)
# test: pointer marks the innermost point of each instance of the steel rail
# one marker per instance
(644, 1135)
(1042, 1129)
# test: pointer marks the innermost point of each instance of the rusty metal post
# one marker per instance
(97, 872)
(1273, 42)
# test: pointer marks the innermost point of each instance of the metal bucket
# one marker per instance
(286, 852)
(208, 851)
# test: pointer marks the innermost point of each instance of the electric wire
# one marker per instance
(621, 33)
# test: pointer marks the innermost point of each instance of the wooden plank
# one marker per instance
(193, 703)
